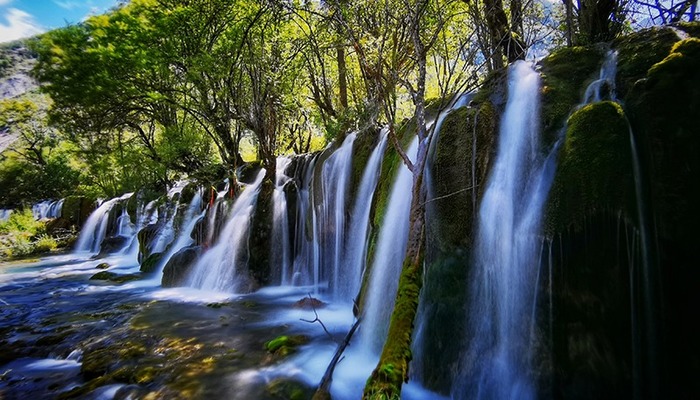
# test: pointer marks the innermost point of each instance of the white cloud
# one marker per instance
(66, 4)
(18, 24)
(5, 2)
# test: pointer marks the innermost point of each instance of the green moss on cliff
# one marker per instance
(564, 77)
(638, 52)
(663, 108)
(595, 168)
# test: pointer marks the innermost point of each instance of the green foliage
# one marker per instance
(26, 182)
(45, 243)
(18, 235)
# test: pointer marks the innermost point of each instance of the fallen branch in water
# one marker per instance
(323, 391)
(317, 319)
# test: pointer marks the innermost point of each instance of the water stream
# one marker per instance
(503, 281)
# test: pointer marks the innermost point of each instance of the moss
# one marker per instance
(564, 77)
(288, 390)
(392, 369)
(103, 265)
(362, 148)
(114, 277)
(149, 264)
(595, 168)
(452, 209)
(638, 52)
(663, 109)
(691, 28)
(259, 241)
(285, 345)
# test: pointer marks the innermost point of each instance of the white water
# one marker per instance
(329, 217)
(281, 246)
(356, 252)
(606, 80)
(386, 267)
(47, 209)
(95, 228)
(503, 283)
(304, 246)
(5, 214)
(223, 268)
(193, 214)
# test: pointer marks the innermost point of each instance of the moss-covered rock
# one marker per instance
(149, 264)
(77, 209)
(114, 277)
(288, 390)
(595, 167)
(638, 52)
(260, 237)
(565, 74)
(179, 265)
(285, 345)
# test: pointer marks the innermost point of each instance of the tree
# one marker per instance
(394, 41)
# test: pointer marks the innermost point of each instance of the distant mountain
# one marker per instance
(16, 62)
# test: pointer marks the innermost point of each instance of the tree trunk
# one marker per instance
(387, 378)
(501, 34)
(342, 77)
(569, 22)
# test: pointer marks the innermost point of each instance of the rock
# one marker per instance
(149, 264)
(285, 345)
(309, 303)
(179, 265)
(114, 277)
(102, 266)
(112, 245)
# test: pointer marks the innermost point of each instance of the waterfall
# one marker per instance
(356, 252)
(281, 246)
(5, 214)
(95, 228)
(124, 226)
(47, 209)
(223, 267)
(184, 238)
(606, 80)
(329, 216)
(166, 233)
(386, 267)
(503, 281)
(303, 246)
(145, 214)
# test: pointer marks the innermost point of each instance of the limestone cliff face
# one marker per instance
(616, 284)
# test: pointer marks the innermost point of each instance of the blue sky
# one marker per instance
(23, 18)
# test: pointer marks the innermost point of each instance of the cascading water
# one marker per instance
(605, 84)
(124, 226)
(5, 214)
(184, 238)
(329, 216)
(503, 281)
(304, 245)
(95, 228)
(280, 229)
(166, 234)
(47, 209)
(355, 254)
(386, 267)
(223, 268)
